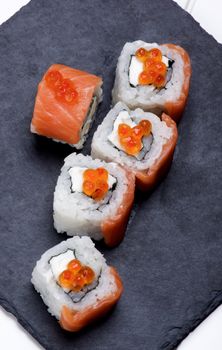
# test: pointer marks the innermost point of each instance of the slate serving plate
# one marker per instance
(170, 260)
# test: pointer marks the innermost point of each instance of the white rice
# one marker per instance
(102, 148)
(53, 295)
(76, 212)
(147, 97)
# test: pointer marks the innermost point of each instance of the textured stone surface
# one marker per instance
(170, 260)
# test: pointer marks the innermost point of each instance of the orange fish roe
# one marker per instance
(147, 77)
(101, 189)
(66, 279)
(154, 70)
(62, 88)
(146, 126)
(74, 265)
(160, 81)
(124, 130)
(142, 54)
(103, 173)
(132, 140)
(78, 283)
(53, 78)
(88, 274)
(76, 276)
(95, 183)
(159, 67)
(155, 54)
(131, 145)
(89, 187)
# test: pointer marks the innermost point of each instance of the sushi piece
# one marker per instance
(140, 141)
(75, 283)
(153, 77)
(65, 104)
(93, 197)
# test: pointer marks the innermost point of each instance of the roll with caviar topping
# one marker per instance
(65, 104)
(93, 197)
(153, 77)
(140, 141)
(75, 283)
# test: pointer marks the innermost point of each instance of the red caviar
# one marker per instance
(95, 183)
(131, 145)
(142, 54)
(146, 126)
(124, 130)
(102, 173)
(53, 78)
(90, 174)
(159, 67)
(88, 274)
(89, 187)
(101, 189)
(148, 64)
(63, 88)
(137, 132)
(76, 276)
(74, 265)
(132, 142)
(66, 279)
(78, 282)
(154, 70)
(147, 77)
(155, 54)
(160, 81)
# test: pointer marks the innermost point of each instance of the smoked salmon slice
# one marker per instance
(175, 108)
(146, 180)
(65, 104)
(113, 228)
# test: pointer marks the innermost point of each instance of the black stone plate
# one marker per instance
(170, 260)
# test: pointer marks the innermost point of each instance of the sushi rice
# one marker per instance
(102, 147)
(147, 97)
(75, 212)
(53, 294)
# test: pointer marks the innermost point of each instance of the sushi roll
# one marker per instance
(93, 197)
(65, 104)
(75, 283)
(140, 141)
(153, 77)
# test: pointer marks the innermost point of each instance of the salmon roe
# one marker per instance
(76, 276)
(63, 89)
(131, 138)
(95, 183)
(74, 265)
(147, 77)
(155, 54)
(87, 274)
(66, 279)
(142, 54)
(154, 70)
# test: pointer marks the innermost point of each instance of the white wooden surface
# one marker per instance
(208, 13)
(208, 336)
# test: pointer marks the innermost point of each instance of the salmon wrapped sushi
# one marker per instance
(75, 283)
(153, 77)
(66, 104)
(93, 197)
(140, 141)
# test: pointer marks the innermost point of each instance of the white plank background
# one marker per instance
(208, 13)
(208, 336)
